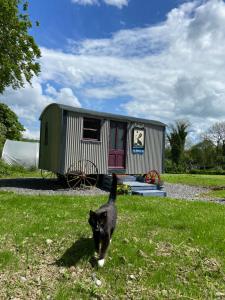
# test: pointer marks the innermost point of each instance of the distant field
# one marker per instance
(195, 179)
(162, 249)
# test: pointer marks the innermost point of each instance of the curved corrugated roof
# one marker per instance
(110, 116)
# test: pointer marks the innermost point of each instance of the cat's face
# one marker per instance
(97, 221)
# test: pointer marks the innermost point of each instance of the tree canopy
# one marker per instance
(203, 154)
(18, 50)
(177, 138)
(10, 127)
(206, 156)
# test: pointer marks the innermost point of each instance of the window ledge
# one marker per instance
(90, 141)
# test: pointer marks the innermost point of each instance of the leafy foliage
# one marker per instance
(10, 127)
(6, 170)
(205, 157)
(203, 154)
(18, 50)
(123, 189)
(177, 138)
(16, 171)
(216, 133)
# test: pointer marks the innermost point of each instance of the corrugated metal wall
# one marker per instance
(97, 152)
(78, 149)
(153, 154)
(66, 145)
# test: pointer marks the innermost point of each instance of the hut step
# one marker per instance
(125, 178)
(153, 193)
(136, 186)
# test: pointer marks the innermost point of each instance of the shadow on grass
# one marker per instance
(81, 249)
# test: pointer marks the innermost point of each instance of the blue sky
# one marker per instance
(61, 19)
(161, 60)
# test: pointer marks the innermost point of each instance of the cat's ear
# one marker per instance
(92, 213)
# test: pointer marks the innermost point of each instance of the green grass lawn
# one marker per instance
(216, 194)
(162, 249)
(195, 179)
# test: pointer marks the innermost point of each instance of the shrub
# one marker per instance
(7, 170)
(173, 168)
(123, 189)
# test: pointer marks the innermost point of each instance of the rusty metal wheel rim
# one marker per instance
(82, 173)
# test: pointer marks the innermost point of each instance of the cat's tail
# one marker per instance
(113, 192)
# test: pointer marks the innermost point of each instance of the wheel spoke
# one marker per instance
(73, 179)
(88, 182)
(90, 177)
(75, 185)
(80, 173)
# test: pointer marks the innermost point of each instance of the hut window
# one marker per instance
(91, 129)
(46, 134)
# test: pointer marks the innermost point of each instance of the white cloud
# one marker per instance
(29, 102)
(85, 2)
(31, 134)
(118, 3)
(170, 71)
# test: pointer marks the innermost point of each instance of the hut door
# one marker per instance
(117, 145)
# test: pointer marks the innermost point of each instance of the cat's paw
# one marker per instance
(101, 262)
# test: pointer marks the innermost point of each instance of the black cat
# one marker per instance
(103, 223)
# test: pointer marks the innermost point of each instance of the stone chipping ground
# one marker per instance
(39, 186)
(187, 192)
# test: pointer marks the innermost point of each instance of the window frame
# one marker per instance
(92, 129)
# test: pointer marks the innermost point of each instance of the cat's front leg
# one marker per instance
(105, 245)
(96, 242)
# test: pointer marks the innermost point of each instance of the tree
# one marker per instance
(203, 154)
(18, 50)
(177, 138)
(10, 127)
(216, 134)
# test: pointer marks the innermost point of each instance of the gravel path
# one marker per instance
(182, 191)
(38, 186)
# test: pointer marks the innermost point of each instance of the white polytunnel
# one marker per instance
(24, 154)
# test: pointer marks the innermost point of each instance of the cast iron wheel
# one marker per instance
(47, 174)
(83, 174)
(152, 177)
